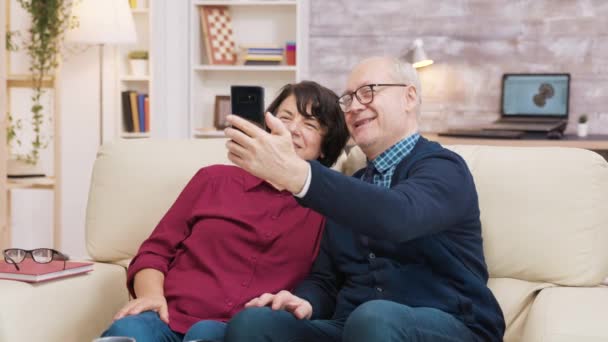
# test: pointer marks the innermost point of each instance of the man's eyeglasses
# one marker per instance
(364, 94)
(40, 255)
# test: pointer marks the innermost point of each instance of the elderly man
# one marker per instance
(402, 253)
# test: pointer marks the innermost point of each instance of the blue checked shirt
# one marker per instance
(384, 165)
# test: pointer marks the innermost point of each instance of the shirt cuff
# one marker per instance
(304, 190)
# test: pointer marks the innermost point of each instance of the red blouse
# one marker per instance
(228, 238)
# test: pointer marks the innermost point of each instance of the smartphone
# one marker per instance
(248, 102)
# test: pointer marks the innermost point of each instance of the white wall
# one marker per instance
(79, 137)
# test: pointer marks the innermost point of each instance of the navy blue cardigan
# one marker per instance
(418, 243)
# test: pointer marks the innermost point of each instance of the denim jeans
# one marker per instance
(147, 326)
(377, 320)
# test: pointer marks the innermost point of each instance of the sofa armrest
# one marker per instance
(75, 309)
(564, 314)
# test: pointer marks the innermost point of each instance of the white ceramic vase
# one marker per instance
(139, 67)
(582, 130)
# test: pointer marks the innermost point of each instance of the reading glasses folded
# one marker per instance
(40, 255)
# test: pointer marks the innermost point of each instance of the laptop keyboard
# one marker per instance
(522, 126)
(481, 133)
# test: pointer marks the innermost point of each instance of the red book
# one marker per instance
(33, 272)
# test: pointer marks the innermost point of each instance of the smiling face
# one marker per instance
(306, 131)
(390, 117)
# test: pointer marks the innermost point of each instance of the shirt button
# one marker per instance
(274, 217)
(372, 256)
(267, 235)
(229, 304)
(379, 289)
(244, 284)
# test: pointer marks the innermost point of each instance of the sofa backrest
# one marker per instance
(134, 182)
(544, 211)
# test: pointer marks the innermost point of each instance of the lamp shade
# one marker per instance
(417, 56)
(102, 22)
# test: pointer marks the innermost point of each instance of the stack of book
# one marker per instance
(264, 56)
(135, 111)
(32, 272)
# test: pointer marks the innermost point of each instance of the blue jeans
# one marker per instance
(377, 320)
(147, 326)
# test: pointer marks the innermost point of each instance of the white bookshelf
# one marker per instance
(142, 84)
(254, 23)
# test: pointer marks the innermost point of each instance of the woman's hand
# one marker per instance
(283, 300)
(139, 305)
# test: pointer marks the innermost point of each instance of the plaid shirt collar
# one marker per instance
(391, 157)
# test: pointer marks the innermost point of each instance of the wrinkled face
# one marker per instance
(306, 133)
(378, 125)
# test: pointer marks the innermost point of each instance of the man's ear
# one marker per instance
(411, 97)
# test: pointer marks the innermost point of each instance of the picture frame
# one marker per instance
(221, 111)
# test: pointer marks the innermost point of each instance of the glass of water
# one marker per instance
(114, 339)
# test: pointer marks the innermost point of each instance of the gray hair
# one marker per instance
(405, 73)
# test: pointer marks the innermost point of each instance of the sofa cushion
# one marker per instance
(564, 314)
(515, 298)
(134, 183)
(543, 211)
(73, 309)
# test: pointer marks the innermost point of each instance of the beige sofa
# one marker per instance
(545, 225)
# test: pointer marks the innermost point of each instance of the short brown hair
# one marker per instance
(325, 108)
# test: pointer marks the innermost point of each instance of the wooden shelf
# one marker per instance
(131, 135)
(31, 183)
(280, 68)
(129, 78)
(245, 3)
(25, 81)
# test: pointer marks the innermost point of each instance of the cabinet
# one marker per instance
(15, 94)
(138, 80)
(255, 24)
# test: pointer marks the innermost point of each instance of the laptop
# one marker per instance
(534, 103)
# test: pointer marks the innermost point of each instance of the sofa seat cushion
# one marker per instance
(84, 303)
(515, 298)
(565, 314)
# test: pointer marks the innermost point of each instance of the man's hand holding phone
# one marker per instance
(270, 156)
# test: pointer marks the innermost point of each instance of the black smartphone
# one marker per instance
(248, 102)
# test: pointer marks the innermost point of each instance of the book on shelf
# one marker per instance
(264, 51)
(262, 63)
(33, 272)
(126, 111)
(147, 113)
(264, 58)
(135, 112)
(141, 111)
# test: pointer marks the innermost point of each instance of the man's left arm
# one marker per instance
(437, 194)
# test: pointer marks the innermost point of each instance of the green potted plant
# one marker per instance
(49, 21)
(582, 129)
(138, 62)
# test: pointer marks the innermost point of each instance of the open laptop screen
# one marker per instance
(535, 95)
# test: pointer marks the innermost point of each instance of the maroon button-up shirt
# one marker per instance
(228, 238)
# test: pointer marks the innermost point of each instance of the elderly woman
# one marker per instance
(230, 236)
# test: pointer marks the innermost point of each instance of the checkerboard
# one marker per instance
(217, 31)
